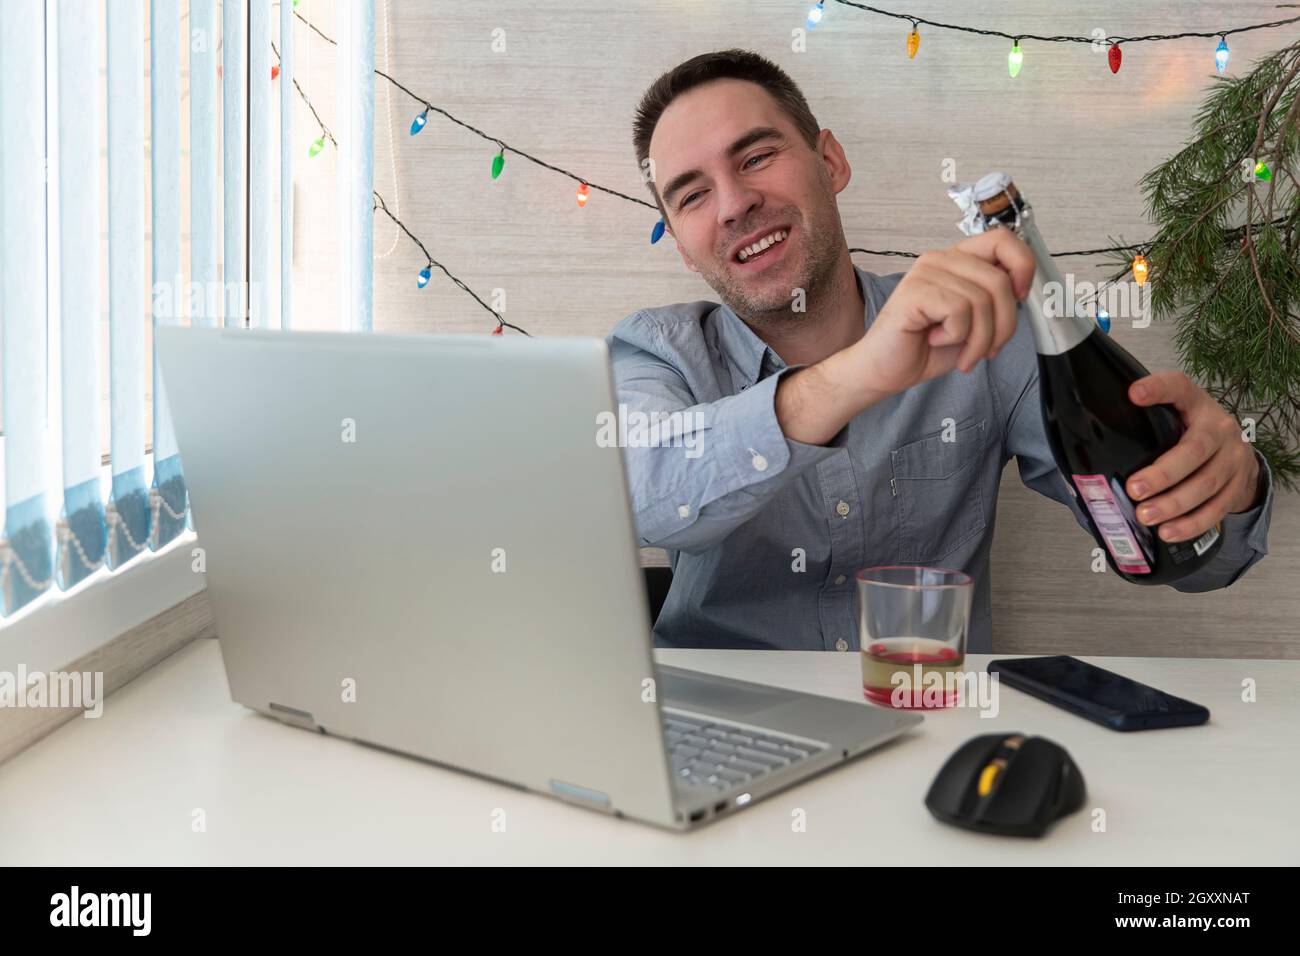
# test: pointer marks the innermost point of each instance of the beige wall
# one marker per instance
(1076, 138)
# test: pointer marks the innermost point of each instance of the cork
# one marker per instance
(1000, 201)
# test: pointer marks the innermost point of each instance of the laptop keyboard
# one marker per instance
(717, 755)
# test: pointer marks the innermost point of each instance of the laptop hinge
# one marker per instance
(294, 716)
(583, 796)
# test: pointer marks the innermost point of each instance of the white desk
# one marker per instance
(121, 789)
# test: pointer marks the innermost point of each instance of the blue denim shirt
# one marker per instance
(764, 533)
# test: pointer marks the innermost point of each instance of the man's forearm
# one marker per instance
(814, 403)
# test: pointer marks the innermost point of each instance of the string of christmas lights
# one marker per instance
(1139, 266)
(427, 272)
(1016, 58)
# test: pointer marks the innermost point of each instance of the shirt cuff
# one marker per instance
(756, 446)
(1248, 530)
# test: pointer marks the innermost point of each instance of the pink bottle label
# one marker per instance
(1109, 516)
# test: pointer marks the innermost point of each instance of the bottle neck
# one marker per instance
(1057, 322)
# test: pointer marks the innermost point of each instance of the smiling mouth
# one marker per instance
(760, 249)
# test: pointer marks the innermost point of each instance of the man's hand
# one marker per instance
(954, 307)
(1209, 473)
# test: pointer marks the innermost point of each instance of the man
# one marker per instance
(869, 426)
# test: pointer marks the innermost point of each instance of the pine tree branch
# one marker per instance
(1267, 109)
(1260, 131)
(1238, 324)
(1222, 279)
(1272, 312)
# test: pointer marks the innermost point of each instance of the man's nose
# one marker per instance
(736, 202)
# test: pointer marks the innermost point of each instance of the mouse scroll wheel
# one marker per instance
(989, 775)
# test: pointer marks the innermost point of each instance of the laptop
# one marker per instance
(417, 542)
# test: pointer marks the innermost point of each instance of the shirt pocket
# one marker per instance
(937, 486)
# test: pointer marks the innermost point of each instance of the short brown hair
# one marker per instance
(718, 65)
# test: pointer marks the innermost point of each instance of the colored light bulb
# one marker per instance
(913, 43)
(317, 145)
(1140, 269)
(1103, 319)
(498, 330)
(1262, 171)
(275, 72)
(657, 232)
(1015, 59)
(1114, 57)
(423, 278)
(1221, 55)
(815, 15)
(417, 124)
(498, 164)
(582, 195)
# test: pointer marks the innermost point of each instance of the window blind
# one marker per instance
(26, 553)
(167, 513)
(83, 537)
(123, 144)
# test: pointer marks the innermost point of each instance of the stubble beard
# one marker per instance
(772, 308)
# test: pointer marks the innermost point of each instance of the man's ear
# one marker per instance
(836, 162)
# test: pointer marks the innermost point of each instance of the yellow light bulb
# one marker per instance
(1140, 269)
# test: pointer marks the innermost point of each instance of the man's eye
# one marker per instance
(687, 200)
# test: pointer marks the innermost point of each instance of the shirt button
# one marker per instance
(840, 579)
(759, 462)
(841, 645)
(842, 509)
(684, 511)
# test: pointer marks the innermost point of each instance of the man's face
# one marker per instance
(731, 170)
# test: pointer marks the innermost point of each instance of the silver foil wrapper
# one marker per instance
(968, 197)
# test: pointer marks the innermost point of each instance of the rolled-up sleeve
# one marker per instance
(707, 467)
(1245, 541)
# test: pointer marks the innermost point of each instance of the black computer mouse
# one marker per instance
(1008, 784)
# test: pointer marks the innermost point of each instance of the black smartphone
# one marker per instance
(1102, 696)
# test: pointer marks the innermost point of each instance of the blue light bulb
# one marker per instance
(1103, 319)
(1221, 55)
(815, 15)
(419, 122)
(657, 232)
(425, 275)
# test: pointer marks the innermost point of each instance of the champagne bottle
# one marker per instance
(1098, 436)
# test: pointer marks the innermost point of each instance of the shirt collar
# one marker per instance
(751, 358)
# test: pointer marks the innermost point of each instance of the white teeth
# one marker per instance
(762, 244)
